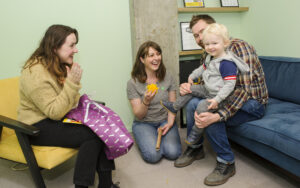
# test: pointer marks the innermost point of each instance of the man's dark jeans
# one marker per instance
(216, 133)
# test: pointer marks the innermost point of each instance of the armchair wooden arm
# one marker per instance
(18, 126)
(23, 131)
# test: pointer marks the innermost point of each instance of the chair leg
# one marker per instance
(31, 161)
(1, 127)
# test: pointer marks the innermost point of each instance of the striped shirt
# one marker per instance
(251, 85)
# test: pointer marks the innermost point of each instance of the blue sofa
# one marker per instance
(276, 137)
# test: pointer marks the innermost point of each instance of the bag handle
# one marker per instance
(87, 110)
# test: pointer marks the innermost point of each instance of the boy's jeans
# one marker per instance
(216, 133)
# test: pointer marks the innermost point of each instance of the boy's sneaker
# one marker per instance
(194, 136)
(221, 174)
(189, 156)
(169, 106)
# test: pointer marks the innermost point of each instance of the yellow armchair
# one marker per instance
(14, 143)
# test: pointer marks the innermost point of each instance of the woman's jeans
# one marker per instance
(145, 134)
(216, 133)
(91, 156)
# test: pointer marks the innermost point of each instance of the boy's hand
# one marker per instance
(185, 88)
(190, 81)
(213, 104)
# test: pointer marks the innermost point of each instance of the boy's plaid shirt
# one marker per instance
(251, 85)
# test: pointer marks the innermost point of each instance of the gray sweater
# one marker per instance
(213, 81)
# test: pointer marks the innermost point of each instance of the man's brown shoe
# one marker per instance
(189, 156)
(221, 174)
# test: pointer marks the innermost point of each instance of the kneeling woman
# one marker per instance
(149, 114)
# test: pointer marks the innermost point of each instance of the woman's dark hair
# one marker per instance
(138, 71)
(208, 19)
(53, 39)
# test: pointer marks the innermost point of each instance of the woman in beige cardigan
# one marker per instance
(49, 89)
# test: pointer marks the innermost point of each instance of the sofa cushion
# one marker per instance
(282, 74)
(279, 128)
(273, 155)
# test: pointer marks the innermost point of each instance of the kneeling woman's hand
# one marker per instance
(166, 128)
(148, 96)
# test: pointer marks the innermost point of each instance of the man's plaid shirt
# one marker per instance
(251, 85)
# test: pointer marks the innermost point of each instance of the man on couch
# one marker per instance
(246, 103)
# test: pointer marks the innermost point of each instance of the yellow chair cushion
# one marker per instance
(47, 157)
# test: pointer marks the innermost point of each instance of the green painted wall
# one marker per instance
(105, 37)
(104, 42)
(272, 26)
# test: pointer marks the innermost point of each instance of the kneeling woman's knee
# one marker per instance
(172, 152)
(151, 156)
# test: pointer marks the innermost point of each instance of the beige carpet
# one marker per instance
(133, 172)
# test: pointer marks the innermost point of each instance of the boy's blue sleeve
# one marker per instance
(228, 70)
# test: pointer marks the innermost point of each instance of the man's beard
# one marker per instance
(201, 44)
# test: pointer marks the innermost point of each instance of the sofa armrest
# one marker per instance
(18, 126)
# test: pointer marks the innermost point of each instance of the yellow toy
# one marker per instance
(152, 88)
(67, 120)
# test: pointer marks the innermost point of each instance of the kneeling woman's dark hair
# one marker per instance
(138, 72)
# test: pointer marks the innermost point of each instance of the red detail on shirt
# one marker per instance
(230, 77)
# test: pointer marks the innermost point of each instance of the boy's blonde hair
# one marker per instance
(217, 29)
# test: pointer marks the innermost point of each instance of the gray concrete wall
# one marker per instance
(156, 20)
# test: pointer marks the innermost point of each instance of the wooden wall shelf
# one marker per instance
(191, 52)
(213, 9)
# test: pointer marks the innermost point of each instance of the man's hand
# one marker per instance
(205, 119)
